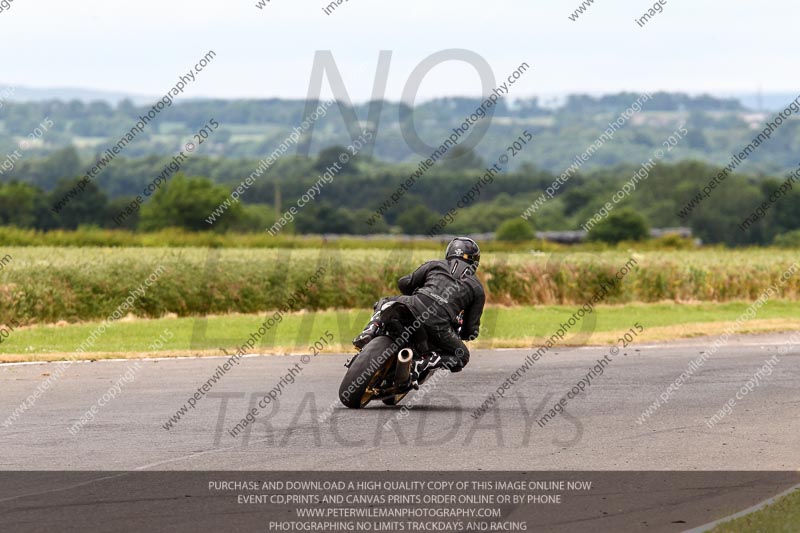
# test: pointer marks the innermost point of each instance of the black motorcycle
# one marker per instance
(383, 369)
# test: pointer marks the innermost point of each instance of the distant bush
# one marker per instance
(417, 220)
(515, 230)
(186, 202)
(788, 240)
(623, 225)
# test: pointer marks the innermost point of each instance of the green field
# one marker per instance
(41, 285)
(502, 327)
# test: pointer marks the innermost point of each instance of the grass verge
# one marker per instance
(503, 327)
(783, 515)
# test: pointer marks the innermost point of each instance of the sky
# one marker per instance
(142, 46)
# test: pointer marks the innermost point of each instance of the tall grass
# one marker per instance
(47, 284)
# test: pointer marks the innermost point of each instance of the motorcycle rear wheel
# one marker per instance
(370, 367)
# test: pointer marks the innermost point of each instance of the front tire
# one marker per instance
(366, 372)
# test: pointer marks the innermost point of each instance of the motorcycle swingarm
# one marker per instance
(388, 393)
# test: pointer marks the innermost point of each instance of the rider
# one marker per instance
(436, 293)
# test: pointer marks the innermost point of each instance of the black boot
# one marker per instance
(430, 362)
(434, 360)
(367, 335)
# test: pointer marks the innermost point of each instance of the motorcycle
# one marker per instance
(383, 368)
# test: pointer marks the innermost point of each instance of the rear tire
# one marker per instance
(365, 372)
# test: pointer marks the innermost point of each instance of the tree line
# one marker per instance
(343, 206)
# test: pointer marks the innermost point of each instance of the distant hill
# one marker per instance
(31, 94)
(765, 101)
(717, 127)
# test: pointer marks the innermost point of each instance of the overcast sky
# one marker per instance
(141, 46)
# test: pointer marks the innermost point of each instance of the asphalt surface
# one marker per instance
(597, 432)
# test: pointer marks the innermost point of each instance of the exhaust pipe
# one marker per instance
(402, 373)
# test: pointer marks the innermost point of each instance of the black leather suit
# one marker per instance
(435, 293)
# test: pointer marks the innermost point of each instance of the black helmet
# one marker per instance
(464, 248)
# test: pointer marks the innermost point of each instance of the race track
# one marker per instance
(598, 431)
